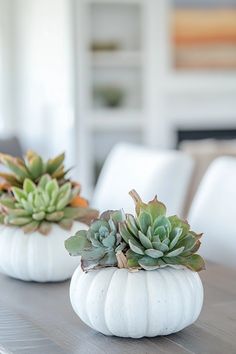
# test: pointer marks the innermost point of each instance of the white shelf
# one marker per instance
(199, 82)
(116, 59)
(112, 1)
(110, 120)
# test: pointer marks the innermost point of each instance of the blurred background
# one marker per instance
(81, 75)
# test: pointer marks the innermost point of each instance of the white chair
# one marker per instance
(151, 172)
(213, 212)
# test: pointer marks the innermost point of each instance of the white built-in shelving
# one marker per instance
(127, 45)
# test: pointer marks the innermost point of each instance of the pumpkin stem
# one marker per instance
(121, 259)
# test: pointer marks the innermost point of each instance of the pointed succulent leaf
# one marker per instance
(160, 246)
(149, 233)
(31, 227)
(39, 202)
(46, 199)
(162, 221)
(19, 194)
(136, 248)
(60, 173)
(193, 262)
(194, 249)
(144, 240)
(55, 164)
(45, 227)
(39, 216)
(112, 225)
(20, 221)
(63, 202)
(149, 263)
(44, 181)
(35, 166)
(126, 235)
(131, 224)
(154, 207)
(11, 179)
(133, 259)
(177, 222)
(52, 187)
(20, 172)
(176, 233)
(56, 216)
(188, 242)
(27, 206)
(28, 186)
(66, 223)
(160, 231)
(18, 212)
(30, 154)
(51, 209)
(153, 253)
(7, 202)
(175, 253)
(144, 220)
(53, 197)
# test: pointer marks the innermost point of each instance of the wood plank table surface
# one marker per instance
(38, 319)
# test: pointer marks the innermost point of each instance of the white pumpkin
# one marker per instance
(37, 257)
(137, 304)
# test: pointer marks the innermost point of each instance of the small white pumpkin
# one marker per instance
(35, 257)
(137, 304)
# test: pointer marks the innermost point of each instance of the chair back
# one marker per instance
(151, 172)
(213, 212)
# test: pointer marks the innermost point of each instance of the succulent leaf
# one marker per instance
(54, 164)
(36, 166)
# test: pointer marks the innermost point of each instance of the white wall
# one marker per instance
(45, 77)
(7, 67)
(39, 36)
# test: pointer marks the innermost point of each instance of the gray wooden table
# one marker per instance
(38, 319)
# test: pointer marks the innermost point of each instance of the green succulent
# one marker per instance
(101, 243)
(36, 207)
(32, 167)
(156, 240)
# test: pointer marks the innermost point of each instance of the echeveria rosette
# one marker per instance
(33, 167)
(101, 245)
(156, 240)
(36, 207)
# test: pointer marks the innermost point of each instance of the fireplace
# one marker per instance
(201, 134)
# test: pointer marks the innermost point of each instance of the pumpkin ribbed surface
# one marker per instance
(36, 257)
(140, 304)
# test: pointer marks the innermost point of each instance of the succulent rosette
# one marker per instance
(36, 194)
(156, 240)
(32, 167)
(36, 207)
(147, 240)
(101, 244)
